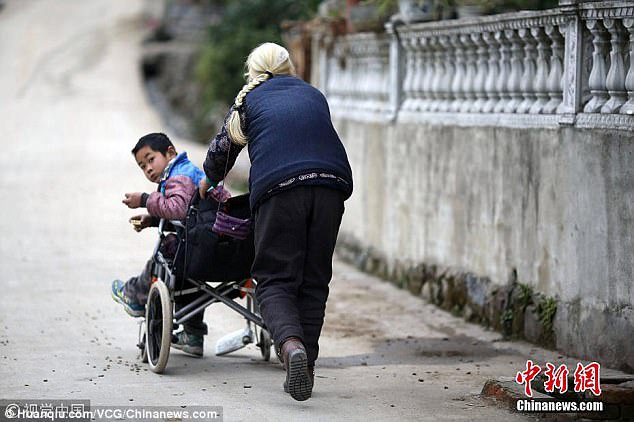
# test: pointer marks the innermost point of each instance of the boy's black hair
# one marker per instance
(156, 141)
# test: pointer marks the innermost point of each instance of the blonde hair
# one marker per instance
(264, 62)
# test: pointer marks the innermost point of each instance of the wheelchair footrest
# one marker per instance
(234, 341)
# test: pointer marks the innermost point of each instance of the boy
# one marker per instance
(177, 180)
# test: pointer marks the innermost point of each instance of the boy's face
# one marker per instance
(153, 162)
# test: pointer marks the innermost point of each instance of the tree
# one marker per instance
(244, 25)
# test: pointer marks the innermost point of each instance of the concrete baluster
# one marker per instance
(436, 88)
(501, 83)
(459, 74)
(362, 75)
(359, 77)
(317, 40)
(384, 77)
(370, 79)
(554, 82)
(409, 45)
(429, 86)
(515, 77)
(615, 81)
(331, 81)
(379, 71)
(527, 87)
(540, 85)
(378, 80)
(395, 62)
(350, 89)
(335, 76)
(347, 60)
(470, 73)
(481, 72)
(493, 73)
(598, 74)
(628, 107)
(448, 58)
(423, 73)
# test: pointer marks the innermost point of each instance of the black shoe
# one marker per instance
(311, 374)
(299, 383)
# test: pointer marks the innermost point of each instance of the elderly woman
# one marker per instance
(299, 179)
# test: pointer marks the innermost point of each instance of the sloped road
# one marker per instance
(71, 108)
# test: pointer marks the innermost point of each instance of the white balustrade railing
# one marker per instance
(576, 60)
(611, 79)
(509, 63)
(358, 73)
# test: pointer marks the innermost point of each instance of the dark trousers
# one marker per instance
(195, 324)
(295, 235)
(137, 288)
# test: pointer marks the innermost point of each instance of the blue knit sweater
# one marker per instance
(291, 141)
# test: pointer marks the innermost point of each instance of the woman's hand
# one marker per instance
(203, 186)
(140, 222)
(220, 194)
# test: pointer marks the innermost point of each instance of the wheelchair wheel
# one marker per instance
(142, 344)
(158, 319)
(265, 344)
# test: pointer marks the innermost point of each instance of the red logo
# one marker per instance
(556, 378)
(527, 376)
(586, 377)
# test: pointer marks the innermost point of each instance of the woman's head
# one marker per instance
(264, 62)
(268, 57)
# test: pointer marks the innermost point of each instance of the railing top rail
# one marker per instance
(366, 36)
(362, 44)
(606, 5)
(606, 9)
(514, 20)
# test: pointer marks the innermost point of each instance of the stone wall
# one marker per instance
(493, 161)
(496, 224)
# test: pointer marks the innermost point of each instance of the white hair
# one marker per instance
(264, 62)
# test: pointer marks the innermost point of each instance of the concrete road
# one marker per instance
(71, 108)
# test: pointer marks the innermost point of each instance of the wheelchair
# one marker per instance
(209, 268)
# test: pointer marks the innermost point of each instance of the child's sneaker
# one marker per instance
(188, 343)
(133, 309)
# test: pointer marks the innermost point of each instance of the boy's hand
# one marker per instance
(133, 199)
(140, 222)
(203, 186)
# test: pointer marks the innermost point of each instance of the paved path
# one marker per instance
(71, 108)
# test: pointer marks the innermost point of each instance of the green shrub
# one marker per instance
(244, 25)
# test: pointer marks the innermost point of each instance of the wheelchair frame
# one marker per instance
(155, 330)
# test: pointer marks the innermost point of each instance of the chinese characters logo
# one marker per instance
(585, 378)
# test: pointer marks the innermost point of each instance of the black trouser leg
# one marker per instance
(280, 239)
(322, 235)
(195, 324)
(138, 288)
(295, 234)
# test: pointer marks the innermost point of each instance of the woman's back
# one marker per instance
(290, 134)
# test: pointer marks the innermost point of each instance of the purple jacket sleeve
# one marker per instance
(172, 205)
